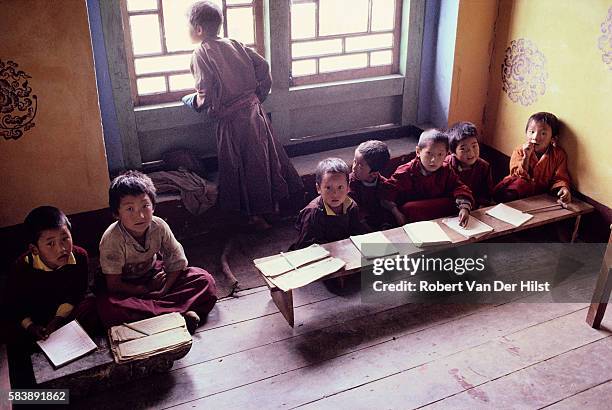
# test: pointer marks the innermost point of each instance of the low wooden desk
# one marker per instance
(603, 288)
(345, 250)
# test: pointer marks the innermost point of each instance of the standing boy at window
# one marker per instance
(140, 284)
(231, 83)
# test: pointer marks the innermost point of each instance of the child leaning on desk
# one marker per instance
(333, 215)
(140, 284)
(47, 285)
(539, 165)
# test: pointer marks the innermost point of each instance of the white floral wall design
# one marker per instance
(605, 40)
(524, 72)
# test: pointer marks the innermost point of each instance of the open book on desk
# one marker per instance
(374, 245)
(426, 233)
(509, 215)
(475, 227)
(287, 261)
(148, 337)
(66, 344)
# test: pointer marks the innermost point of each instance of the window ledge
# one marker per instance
(346, 82)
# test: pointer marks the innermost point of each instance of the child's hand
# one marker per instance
(54, 324)
(464, 217)
(157, 282)
(528, 149)
(564, 195)
(37, 332)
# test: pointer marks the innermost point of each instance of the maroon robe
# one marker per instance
(254, 170)
(424, 197)
(37, 294)
(477, 177)
(368, 198)
(316, 226)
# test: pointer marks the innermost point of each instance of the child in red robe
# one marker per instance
(537, 166)
(425, 188)
(48, 284)
(365, 184)
(465, 160)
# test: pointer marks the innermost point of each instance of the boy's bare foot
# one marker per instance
(192, 320)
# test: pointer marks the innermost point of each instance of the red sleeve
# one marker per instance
(398, 182)
(516, 164)
(560, 176)
(458, 188)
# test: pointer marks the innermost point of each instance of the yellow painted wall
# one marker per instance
(473, 49)
(61, 161)
(578, 87)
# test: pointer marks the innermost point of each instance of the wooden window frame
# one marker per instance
(174, 96)
(352, 74)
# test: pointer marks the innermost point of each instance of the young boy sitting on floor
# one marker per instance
(333, 215)
(139, 284)
(48, 284)
(365, 184)
(425, 188)
(537, 166)
(465, 160)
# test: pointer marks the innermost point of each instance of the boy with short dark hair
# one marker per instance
(365, 184)
(333, 215)
(425, 188)
(48, 284)
(140, 284)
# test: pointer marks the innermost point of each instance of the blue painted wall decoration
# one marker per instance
(605, 40)
(524, 72)
(17, 106)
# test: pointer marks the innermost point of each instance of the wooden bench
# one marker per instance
(345, 250)
(603, 288)
(98, 371)
(5, 381)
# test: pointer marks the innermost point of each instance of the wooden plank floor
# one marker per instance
(344, 354)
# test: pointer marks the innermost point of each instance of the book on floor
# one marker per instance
(475, 227)
(426, 233)
(509, 215)
(374, 245)
(66, 344)
(148, 337)
(287, 261)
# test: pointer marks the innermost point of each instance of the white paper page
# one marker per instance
(308, 274)
(158, 341)
(426, 233)
(376, 245)
(508, 214)
(290, 260)
(475, 227)
(67, 343)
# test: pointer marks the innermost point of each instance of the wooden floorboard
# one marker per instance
(596, 397)
(450, 375)
(398, 353)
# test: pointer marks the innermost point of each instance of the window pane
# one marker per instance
(383, 13)
(342, 16)
(314, 48)
(151, 85)
(181, 82)
(303, 67)
(346, 62)
(232, 2)
(370, 42)
(140, 5)
(381, 58)
(176, 24)
(162, 64)
(145, 34)
(303, 20)
(240, 25)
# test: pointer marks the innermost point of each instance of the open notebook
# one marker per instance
(374, 245)
(66, 344)
(509, 215)
(149, 337)
(426, 233)
(475, 227)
